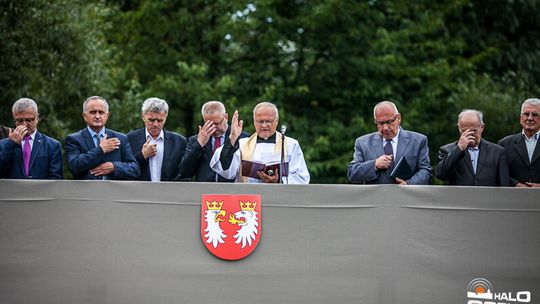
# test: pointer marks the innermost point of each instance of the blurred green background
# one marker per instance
(325, 64)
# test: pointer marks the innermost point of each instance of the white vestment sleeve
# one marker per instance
(298, 172)
(233, 171)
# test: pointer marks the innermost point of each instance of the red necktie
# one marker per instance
(217, 143)
(27, 151)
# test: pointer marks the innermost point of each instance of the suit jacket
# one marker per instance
(521, 169)
(413, 146)
(174, 146)
(196, 160)
(4, 132)
(45, 160)
(83, 155)
(455, 166)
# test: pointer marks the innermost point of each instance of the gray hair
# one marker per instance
(155, 105)
(265, 104)
(530, 101)
(386, 102)
(85, 104)
(22, 104)
(213, 107)
(478, 114)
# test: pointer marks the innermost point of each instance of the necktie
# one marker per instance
(388, 150)
(97, 140)
(27, 151)
(217, 143)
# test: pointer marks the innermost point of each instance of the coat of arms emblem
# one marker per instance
(231, 224)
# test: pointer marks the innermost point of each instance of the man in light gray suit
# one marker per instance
(374, 153)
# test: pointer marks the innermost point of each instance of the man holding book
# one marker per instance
(258, 159)
(377, 154)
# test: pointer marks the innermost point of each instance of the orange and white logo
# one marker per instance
(480, 291)
(231, 224)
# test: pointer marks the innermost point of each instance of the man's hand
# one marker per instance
(268, 178)
(148, 149)
(467, 139)
(399, 181)
(236, 128)
(383, 162)
(205, 132)
(18, 134)
(110, 144)
(533, 185)
(103, 169)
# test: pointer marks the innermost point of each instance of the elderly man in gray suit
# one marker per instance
(472, 160)
(376, 154)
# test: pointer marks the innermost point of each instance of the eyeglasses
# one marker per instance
(386, 122)
(265, 122)
(23, 120)
(472, 130)
(533, 114)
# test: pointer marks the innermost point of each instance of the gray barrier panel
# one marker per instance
(138, 242)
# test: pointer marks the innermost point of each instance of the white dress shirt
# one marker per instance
(155, 162)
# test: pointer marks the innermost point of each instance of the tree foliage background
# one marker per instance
(325, 64)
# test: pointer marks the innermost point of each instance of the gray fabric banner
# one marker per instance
(138, 242)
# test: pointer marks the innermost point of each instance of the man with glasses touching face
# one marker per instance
(375, 154)
(522, 150)
(158, 152)
(27, 153)
(472, 160)
(263, 147)
(212, 135)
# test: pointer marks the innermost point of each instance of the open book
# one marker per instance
(250, 168)
(402, 170)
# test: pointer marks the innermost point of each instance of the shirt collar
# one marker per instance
(534, 137)
(93, 134)
(269, 140)
(33, 135)
(160, 136)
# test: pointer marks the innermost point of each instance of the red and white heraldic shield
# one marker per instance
(231, 224)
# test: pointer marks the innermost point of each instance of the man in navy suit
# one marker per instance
(96, 152)
(201, 147)
(376, 153)
(27, 153)
(158, 152)
(522, 149)
(472, 160)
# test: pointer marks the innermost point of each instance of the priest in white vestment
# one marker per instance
(262, 147)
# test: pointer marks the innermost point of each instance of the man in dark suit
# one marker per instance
(472, 161)
(522, 149)
(96, 152)
(375, 154)
(201, 147)
(27, 153)
(158, 152)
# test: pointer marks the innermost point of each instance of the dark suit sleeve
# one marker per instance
(182, 146)
(137, 150)
(449, 157)
(80, 162)
(503, 174)
(56, 165)
(227, 153)
(127, 168)
(503, 143)
(7, 152)
(190, 160)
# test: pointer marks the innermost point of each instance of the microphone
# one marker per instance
(282, 160)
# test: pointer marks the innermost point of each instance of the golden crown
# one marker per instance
(214, 205)
(247, 206)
